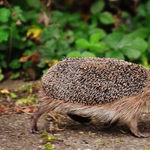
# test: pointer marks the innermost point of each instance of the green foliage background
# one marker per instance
(70, 34)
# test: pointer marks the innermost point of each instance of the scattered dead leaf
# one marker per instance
(44, 18)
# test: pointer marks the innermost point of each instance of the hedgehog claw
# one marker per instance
(36, 131)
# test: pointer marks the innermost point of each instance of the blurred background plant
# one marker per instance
(34, 35)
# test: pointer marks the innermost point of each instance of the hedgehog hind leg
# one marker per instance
(134, 128)
(78, 118)
(36, 115)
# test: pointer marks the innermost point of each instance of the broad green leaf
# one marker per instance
(126, 40)
(73, 19)
(34, 4)
(1, 77)
(113, 39)
(3, 35)
(96, 46)
(15, 75)
(134, 48)
(97, 30)
(13, 95)
(59, 18)
(74, 54)
(47, 53)
(68, 36)
(141, 32)
(51, 45)
(147, 8)
(18, 9)
(141, 10)
(97, 6)
(27, 52)
(3, 64)
(42, 63)
(114, 54)
(52, 31)
(15, 64)
(62, 48)
(4, 14)
(94, 38)
(22, 18)
(18, 13)
(139, 44)
(88, 54)
(27, 64)
(124, 14)
(83, 43)
(131, 53)
(0, 70)
(106, 18)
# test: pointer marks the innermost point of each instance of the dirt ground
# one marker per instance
(15, 132)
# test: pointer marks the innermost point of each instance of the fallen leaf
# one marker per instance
(4, 91)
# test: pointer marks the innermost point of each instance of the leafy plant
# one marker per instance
(1, 75)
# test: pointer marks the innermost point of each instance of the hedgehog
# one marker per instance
(106, 89)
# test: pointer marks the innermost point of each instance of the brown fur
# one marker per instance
(127, 109)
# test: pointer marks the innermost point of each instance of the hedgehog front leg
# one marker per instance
(134, 128)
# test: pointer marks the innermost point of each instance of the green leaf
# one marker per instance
(52, 31)
(131, 53)
(74, 54)
(96, 46)
(114, 54)
(141, 32)
(106, 18)
(94, 38)
(136, 46)
(1, 77)
(15, 75)
(3, 35)
(59, 18)
(83, 43)
(51, 45)
(97, 6)
(3, 64)
(22, 18)
(88, 54)
(34, 4)
(27, 52)
(141, 10)
(46, 52)
(15, 64)
(139, 44)
(18, 9)
(43, 71)
(97, 30)
(42, 63)
(125, 14)
(68, 36)
(4, 14)
(113, 39)
(13, 95)
(0, 70)
(147, 8)
(126, 40)
(62, 48)
(27, 64)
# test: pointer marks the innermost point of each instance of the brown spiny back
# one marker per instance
(94, 81)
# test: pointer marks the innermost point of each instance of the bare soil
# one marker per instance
(15, 132)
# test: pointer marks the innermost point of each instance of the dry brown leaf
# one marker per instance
(44, 18)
